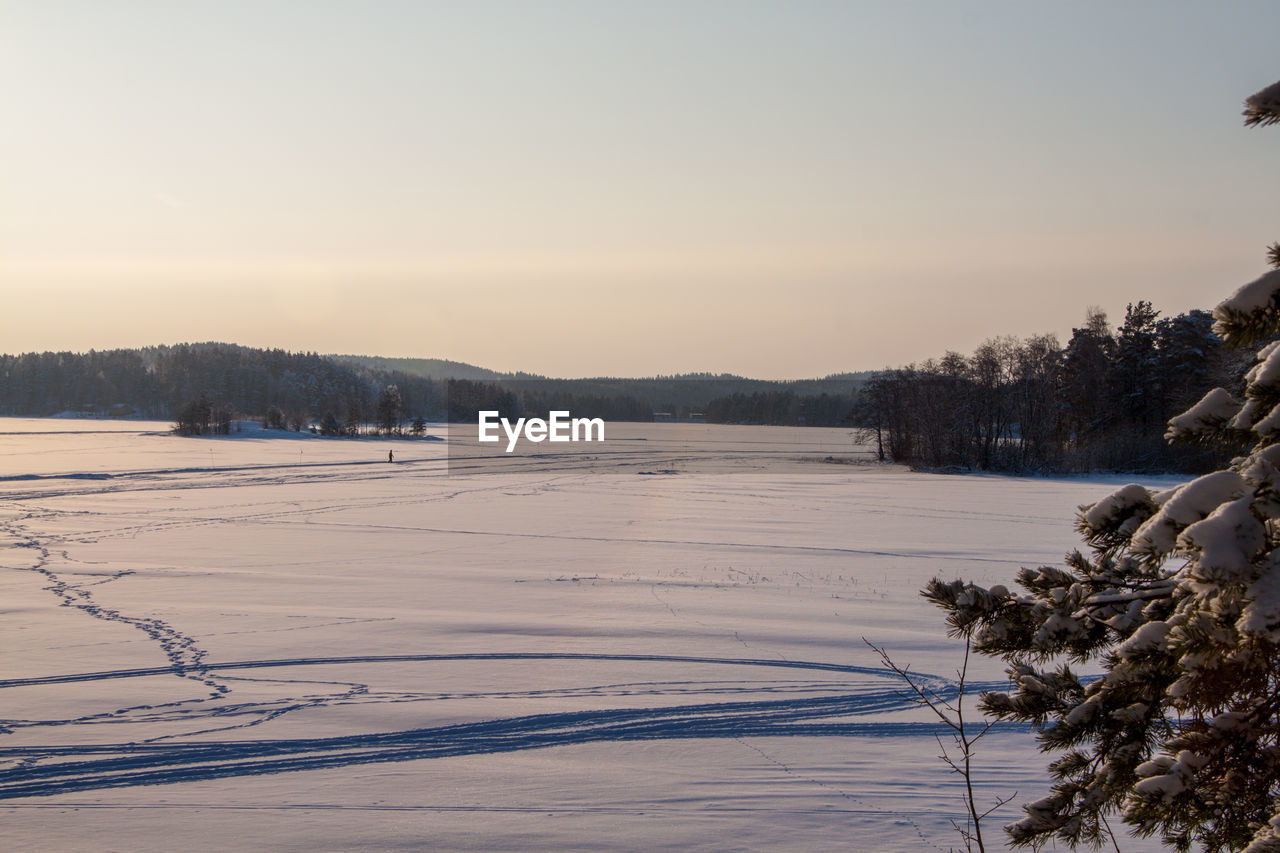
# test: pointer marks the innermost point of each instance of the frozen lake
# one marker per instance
(286, 642)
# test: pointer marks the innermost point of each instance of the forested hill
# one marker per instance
(156, 381)
(300, 389)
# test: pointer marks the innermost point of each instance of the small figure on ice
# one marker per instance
(391, 456)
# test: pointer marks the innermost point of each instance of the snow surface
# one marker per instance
(284, 642)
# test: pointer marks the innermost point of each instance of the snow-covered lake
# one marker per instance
(287, 643)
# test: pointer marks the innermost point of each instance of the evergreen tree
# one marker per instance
(330, 426)
(389, 409)
(1086, 359)
(1179, 602)
(1133, 392)
(1189, 359)
(193, 417)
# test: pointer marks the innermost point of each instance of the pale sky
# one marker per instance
(775, 189)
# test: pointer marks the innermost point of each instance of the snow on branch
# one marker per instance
(1249, 314)
(1214, 411)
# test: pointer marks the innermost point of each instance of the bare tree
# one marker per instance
(964, 738)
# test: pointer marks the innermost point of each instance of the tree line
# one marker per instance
(1013, 405)
(1100, 402)
(205, 387)
(782, 408)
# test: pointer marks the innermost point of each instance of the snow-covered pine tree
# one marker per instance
(1178, 602)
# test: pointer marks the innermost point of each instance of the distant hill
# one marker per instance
(856, 376)
(443, 368)
(428, 368)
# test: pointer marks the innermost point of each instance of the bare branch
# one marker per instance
(931, 704)
(952, 714)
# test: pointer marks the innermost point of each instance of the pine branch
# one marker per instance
(1262, 109)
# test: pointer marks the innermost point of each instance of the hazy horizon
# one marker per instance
(588, 189)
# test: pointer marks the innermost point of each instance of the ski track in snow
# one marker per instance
(48, 770)
(45, 770)
(77, 768)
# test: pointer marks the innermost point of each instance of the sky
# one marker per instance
(774, 189)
